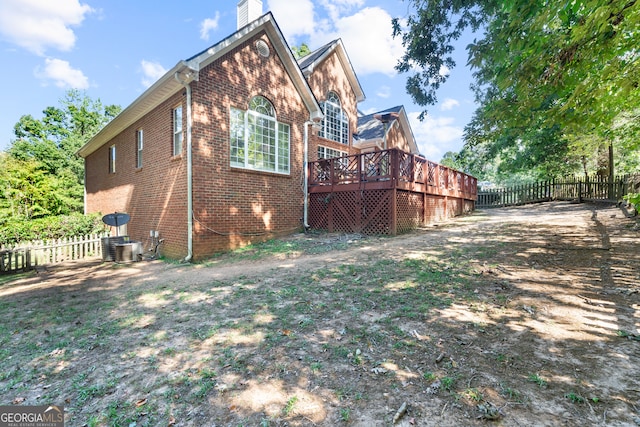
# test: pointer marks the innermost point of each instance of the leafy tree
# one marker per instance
(554, 80)
(54, 139)
(300, 51)
(450, 159)
(40, 175)
(29, 191)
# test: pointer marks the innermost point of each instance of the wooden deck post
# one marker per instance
(395, 164)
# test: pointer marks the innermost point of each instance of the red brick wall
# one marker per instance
(234, 206)
(396, 138)
(330, 76)
(154, 195)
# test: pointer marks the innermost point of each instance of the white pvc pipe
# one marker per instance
(189, 173)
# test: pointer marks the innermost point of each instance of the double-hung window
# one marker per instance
(335, 125)
(177, 131)
(139, 146)
(329, 153)
(258, 141)
(112, 159)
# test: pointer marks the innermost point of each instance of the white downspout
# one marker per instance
(187, 86)
(314, 125)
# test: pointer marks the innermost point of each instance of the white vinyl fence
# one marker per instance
(27, 255)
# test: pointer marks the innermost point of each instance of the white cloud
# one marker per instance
(370, 110)
(208, 25)
(37, 25)
(436, 135)
(370, 51)
(295, 18)
(335, 8)
(384, 92)
(151, 72)
(449, 104)
(62, 74)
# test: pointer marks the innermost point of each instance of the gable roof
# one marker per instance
(371, 128)
(186, 71)
(311, 61)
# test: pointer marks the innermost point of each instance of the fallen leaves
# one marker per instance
(488, 411)
(433, 388)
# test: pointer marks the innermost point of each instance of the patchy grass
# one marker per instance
(344, 337)
(311, 243)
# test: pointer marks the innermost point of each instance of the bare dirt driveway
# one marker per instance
(525, 316)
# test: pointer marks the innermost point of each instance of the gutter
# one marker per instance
(189, 76)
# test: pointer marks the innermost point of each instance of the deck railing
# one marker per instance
(391, 168)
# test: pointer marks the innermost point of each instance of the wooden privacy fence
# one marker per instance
(28, 255)
(593, 188)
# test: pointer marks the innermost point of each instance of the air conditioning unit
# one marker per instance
(128, 251)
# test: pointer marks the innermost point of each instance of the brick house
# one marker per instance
(226, 135)
(385, 129)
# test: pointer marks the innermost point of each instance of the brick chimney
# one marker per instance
(248, 11)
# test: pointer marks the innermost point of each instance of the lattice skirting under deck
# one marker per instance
(372, 211)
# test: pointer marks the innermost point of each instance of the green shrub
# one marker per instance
(15, 230)
(634, 199)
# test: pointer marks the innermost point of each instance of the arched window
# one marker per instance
(335, 125)
(258, 141)
(261, 105)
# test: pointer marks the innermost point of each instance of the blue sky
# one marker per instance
(115, 49)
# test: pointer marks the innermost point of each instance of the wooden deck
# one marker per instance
(385, 192)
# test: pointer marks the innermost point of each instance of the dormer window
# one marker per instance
(335, 125)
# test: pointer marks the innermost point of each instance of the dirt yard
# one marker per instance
(526, 316)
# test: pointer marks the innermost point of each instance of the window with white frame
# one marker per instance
(177, 131)
(139, 146)
(328, 153)
(112, 159)
(257, 140)
(335, 125)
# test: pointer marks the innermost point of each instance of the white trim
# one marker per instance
(338, 47)
(325, 148)
(245, 139)
(139, 147)
(175, 132)
(167, 85)
(112, 159)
